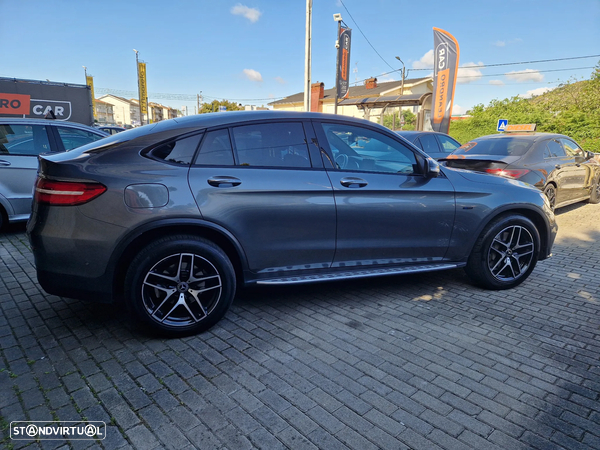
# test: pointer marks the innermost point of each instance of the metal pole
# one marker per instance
(307, 55)
(337, 66)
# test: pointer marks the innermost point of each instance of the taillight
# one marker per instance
(508, 173)
(66, 193)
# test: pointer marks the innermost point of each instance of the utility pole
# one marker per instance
(307, 55)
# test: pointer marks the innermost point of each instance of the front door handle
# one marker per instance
(352, 182)
(557, 166)
(224, 181)
(4, 163)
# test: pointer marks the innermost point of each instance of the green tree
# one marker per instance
(215, 104)
(410, 120)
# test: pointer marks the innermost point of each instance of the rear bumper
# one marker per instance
(77, 287)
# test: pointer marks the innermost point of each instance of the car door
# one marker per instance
(580, 173)
(265, 184)
(560, 169)
(20, 144)
(388, 212)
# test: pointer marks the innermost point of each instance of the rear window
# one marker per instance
(506, 146)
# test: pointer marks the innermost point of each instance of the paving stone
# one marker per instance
(359, 364)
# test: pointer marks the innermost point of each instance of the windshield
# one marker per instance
(505, 146)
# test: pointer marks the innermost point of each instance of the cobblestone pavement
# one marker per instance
(419, 362)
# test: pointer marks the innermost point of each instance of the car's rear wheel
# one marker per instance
(180, 285)
(550, 192)
(505, 253)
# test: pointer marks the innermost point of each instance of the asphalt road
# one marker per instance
(419, 362)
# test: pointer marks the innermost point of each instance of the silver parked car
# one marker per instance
(21, 141)
(171, 217)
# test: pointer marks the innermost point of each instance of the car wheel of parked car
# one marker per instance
(595, 194)
(180, 285)
(505, 253)
(550, 192)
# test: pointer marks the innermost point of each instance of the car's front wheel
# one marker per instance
(505, 253)
(180, 285)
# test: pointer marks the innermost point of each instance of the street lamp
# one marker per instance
(403, 75)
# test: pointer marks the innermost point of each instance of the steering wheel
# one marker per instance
(342, 160)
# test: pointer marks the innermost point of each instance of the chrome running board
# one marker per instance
(331, 276)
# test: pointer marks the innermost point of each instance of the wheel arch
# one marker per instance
(137, 240)
(533, 215)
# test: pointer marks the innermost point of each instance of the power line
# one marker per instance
(523, 72)
(369, 42)
(181, 97)
(497, 74)
(524, 62)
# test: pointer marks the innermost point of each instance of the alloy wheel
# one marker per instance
(181, 290)
(511, 253)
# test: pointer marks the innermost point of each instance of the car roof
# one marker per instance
(527, 136)
(31, 121)
(239, 117)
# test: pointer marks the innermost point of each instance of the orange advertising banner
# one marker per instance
(15, 104)
(445, 68)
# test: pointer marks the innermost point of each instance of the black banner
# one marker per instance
(343, 72)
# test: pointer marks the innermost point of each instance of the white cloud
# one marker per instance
(426, 62)
(497, 82)
(535, 92)
(458, 110)
(280, 80)
(252, 14)
(522, 76)
(469, 74)
(499, 43)
(253, 75)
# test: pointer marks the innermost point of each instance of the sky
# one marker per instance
(253, 51)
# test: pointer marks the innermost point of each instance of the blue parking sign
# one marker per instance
(502, 124)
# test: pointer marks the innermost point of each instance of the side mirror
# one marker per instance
(589, 155)
(432, 168)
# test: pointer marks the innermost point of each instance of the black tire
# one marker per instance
(505, 253)
(550, 193)
(180, 285)
(595, 194)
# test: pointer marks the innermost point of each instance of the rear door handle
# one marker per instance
(4, 163)
(352, 182)
(224, 181)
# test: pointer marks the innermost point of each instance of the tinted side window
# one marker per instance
(571, 148)
(555, 149)
(448, 145)
(365, 150)
(73, 137)
(23, 140)
(272, 145)
(180, 151)
(429, 143)
(216, 149)
(418, 143)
